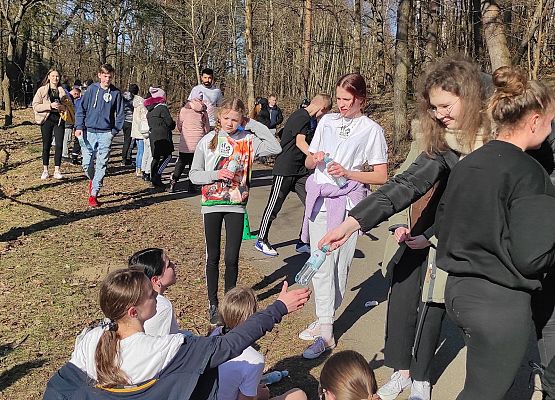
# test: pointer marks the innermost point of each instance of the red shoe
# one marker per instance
(93, 202)
(90, 187)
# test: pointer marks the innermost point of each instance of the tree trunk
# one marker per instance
(401, 74)
(307, 41)
(494, 33)
(432, 31)
(249, 54)
(357, 57)
(272, 49)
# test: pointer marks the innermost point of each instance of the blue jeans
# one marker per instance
(140, 150)
(95, 144)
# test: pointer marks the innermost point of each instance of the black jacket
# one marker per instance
(161, 126)
(264, 117)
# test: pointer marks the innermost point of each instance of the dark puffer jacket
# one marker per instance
(161, 126)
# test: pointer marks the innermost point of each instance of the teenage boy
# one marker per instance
(289, 171)
(98, 119)
(210, 95)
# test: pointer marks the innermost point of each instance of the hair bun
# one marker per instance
(510, 81)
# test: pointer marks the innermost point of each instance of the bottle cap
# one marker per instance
(325, 248)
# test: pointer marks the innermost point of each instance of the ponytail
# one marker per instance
(119, 291)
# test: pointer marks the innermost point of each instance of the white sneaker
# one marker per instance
(420, 390)
(265, 248)
(311, 332)
(58, 175)
(394, 387)
(44, 175)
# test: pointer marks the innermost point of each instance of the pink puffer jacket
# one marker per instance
(193, 124)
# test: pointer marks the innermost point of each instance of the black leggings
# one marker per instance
(50, 128)
(496, 323)
(184, 160)
(403, 315)
(233, 238)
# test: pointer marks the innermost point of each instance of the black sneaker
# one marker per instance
(213, 315)
(75, 161)
(146, 177)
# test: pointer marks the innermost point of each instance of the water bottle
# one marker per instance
(311, 266)
(339, 180)
(232, 166)
(273, 377)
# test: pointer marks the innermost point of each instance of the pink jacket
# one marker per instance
(193, 124)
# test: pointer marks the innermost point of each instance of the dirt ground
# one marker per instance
(54, 251)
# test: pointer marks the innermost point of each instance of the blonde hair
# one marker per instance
(348, 376)
(119, 291)
(462, 77)
(515, 96)
(324, 98)
(233, 104)
(238, 305)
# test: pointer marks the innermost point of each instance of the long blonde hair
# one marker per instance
(348, 376)
(462, 77)
(119, 291)
(233, 104)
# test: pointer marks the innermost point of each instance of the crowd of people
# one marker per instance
(474, 238)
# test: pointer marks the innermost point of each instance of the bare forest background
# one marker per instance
(293, 48)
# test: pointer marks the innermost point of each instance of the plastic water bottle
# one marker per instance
(311, 266)
(232, 165)
(273, 377)
(340, 180)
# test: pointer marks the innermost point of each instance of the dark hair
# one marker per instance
(354, 84)
(106, 69)
(150, 261)
(77, 82)
(515, 96)
(134, 89)
(76, 88)
(207, 71)
(45, 80)
(89, 82)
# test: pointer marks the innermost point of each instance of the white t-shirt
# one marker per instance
(211, 96)
(240, 374)
(349, 142)
(141, 356)
(163, 322)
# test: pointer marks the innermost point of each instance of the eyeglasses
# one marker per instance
(443, 110)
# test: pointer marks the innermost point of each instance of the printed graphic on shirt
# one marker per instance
(237, 156)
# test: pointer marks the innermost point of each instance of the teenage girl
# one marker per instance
(239, 378)
(234, 143)
(347, 376)
(452, 124)
(157, 266)
(359, 151)
(47, 105)
(496, 235)
(120, 357)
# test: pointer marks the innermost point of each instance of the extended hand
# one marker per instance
(78, 132)
(294, 299)
(339, 235)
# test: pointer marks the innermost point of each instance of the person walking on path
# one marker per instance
(193, 124)
(98, 119)
(47, 106)
(289, 172)
(161, 126)
(358, 152)
(137, 130)
(223, 164)
(209, 94)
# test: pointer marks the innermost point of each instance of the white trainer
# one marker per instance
(394, 387)
(311, 332)
(44, 175)
(420, 390)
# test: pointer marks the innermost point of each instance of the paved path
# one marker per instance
(357, 327)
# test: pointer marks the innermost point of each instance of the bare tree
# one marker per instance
(249, 54)
(401, 73)
(494, 33)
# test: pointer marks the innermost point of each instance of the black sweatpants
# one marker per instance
(496, 323)
(281, 187)
(76, 149)
(184, 161)
(543, 312)
(213, 236)
(125, 153)
(51, 128)
(404, 311)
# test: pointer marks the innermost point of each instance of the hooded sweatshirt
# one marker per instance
(101, 110)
